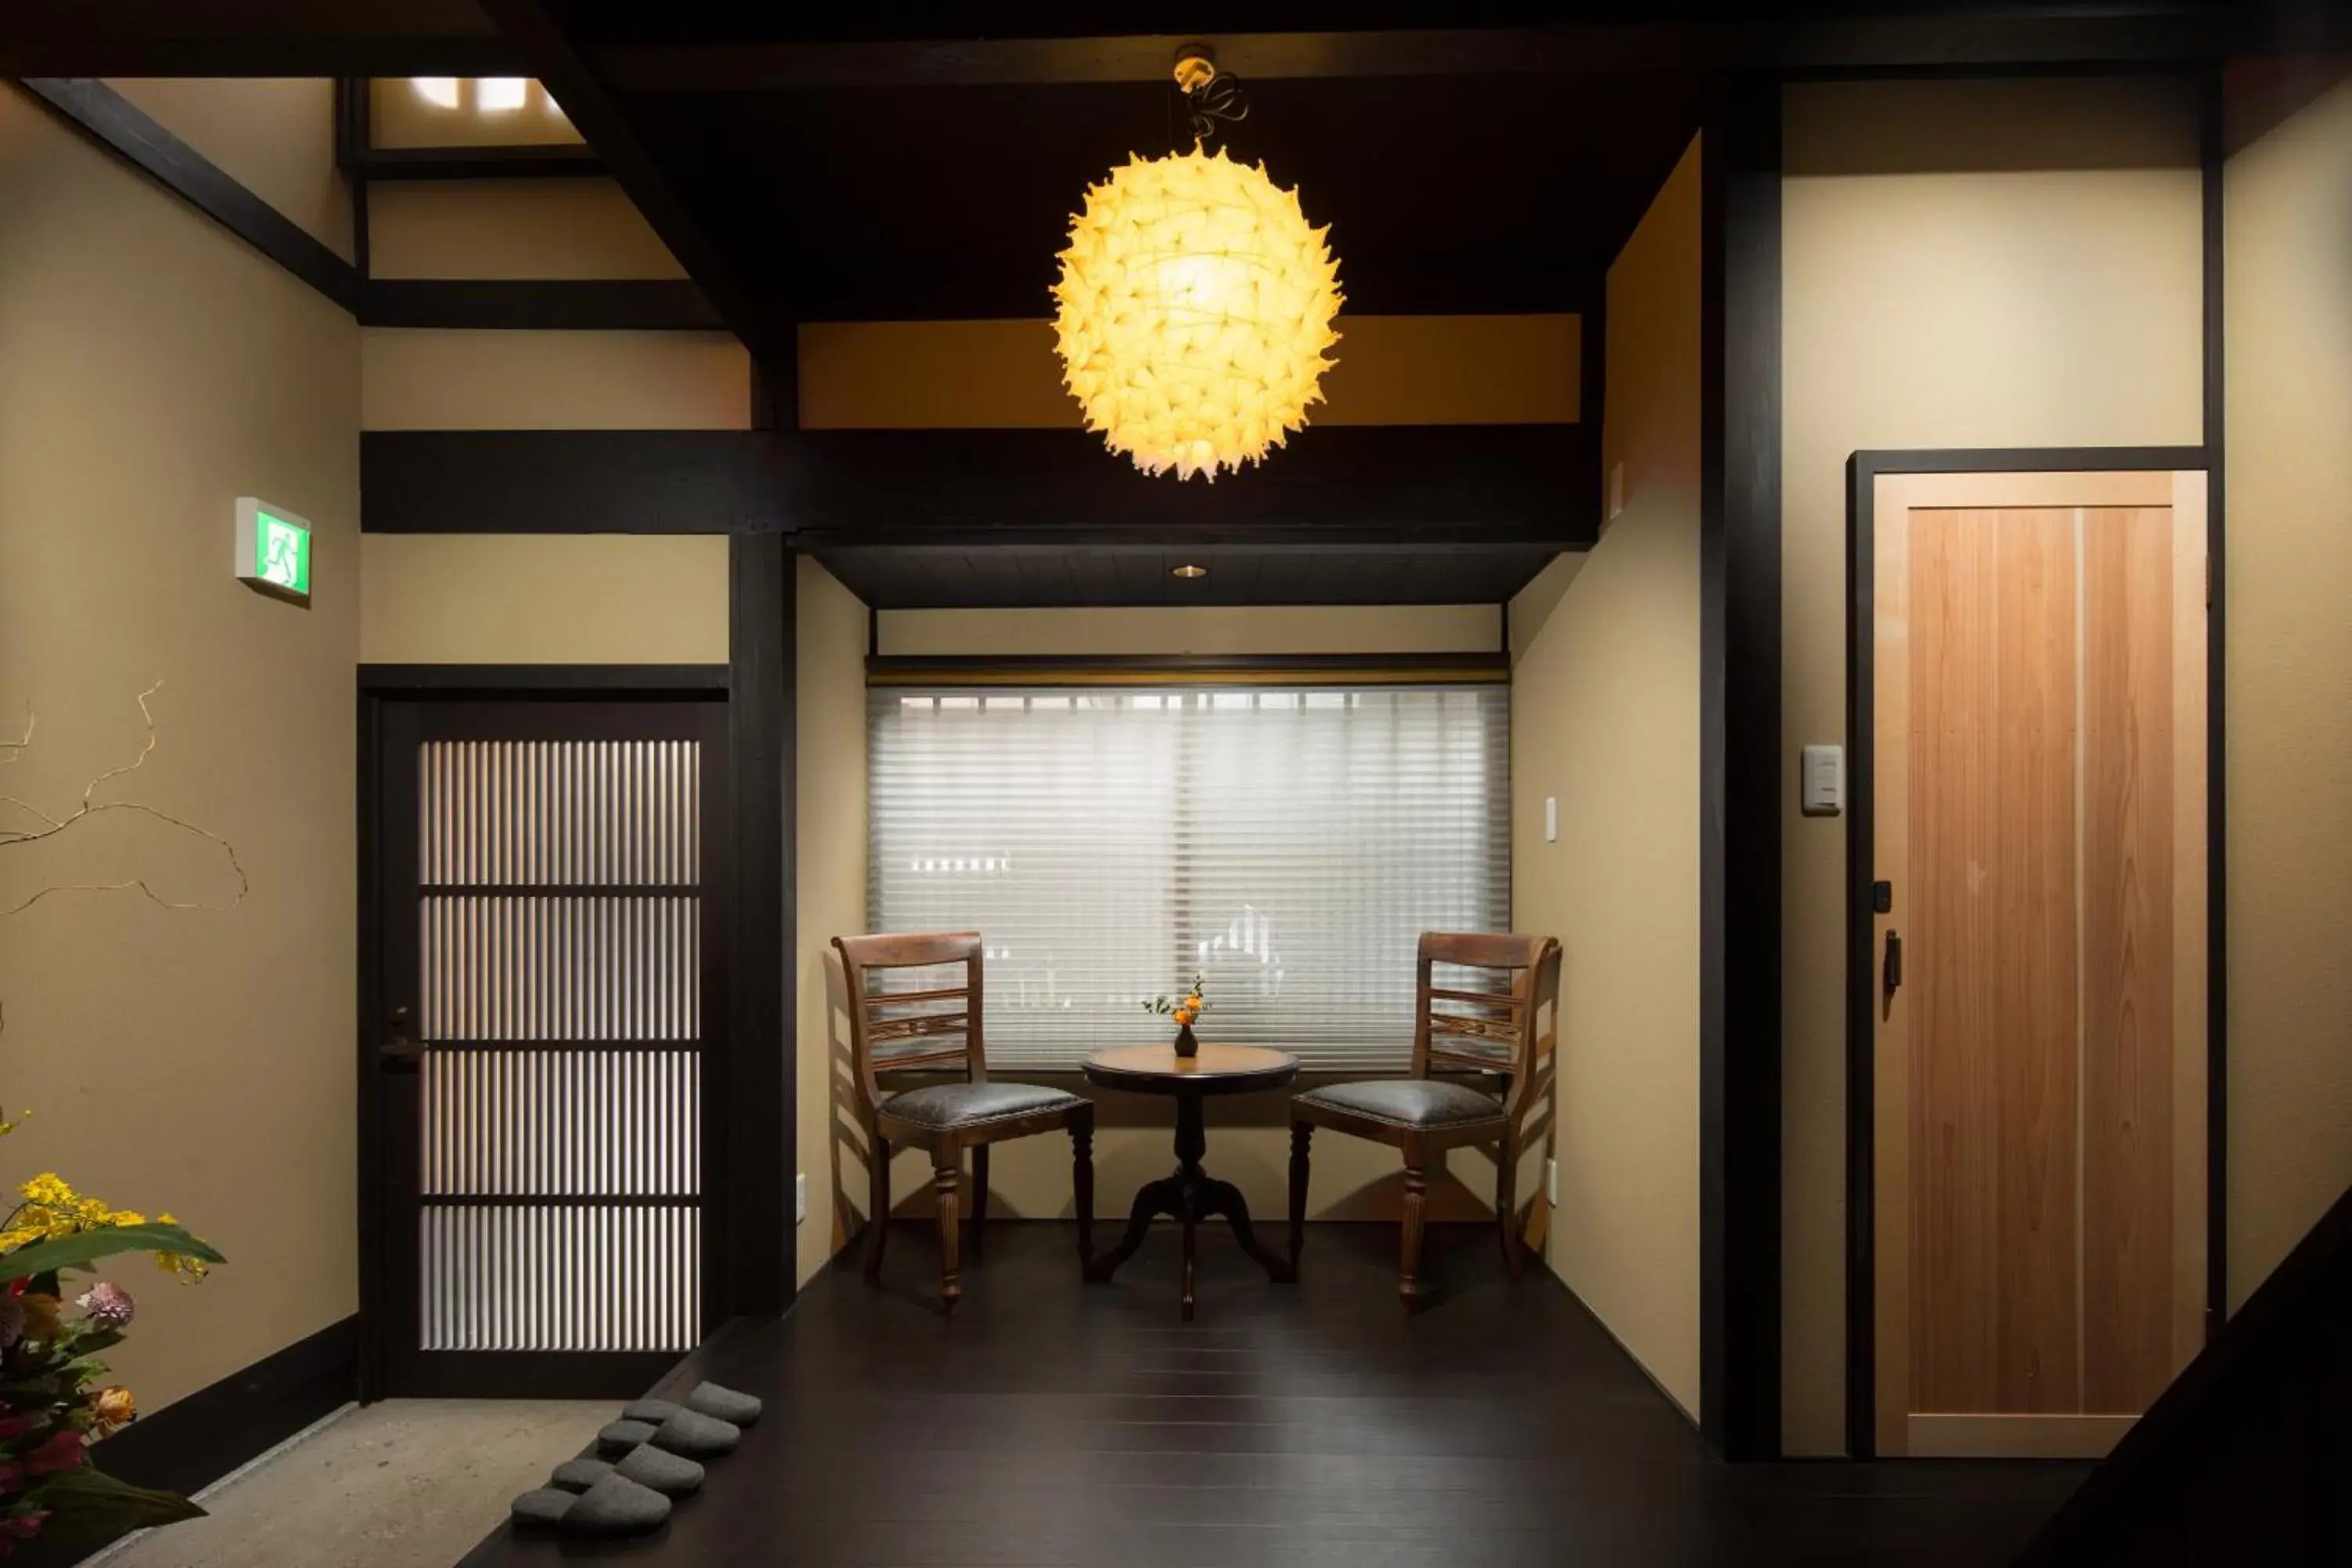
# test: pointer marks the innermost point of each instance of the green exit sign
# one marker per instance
(273, 550)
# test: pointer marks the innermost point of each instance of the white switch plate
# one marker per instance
(1823, 773)
(1551, 817)
(800, 1197)
(1551, 1183)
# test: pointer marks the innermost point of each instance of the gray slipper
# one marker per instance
(681, 1432)
(710, 1427)
(648, 1467)
(615, 1506)
(724, 1403)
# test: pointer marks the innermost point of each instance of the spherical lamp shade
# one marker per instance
(1195, 307)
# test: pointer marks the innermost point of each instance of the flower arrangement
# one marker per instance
(54, 1401)
(1183, 1011)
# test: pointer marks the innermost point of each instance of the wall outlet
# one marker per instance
(1551, 818)
(800, 1197)
(1551, 1183)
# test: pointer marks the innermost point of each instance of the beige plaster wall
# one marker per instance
(568, 227)
(192, 1061)
(436, 378)
(829, 867)
(1964, 264)
(542, 598)
(1605, 721)
(2288, 309)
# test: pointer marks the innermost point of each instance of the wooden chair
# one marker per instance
(935, 1031)
(1511, 1033)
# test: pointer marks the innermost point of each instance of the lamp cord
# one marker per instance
(1216, 103)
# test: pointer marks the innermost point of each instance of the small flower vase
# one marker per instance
(1187, 1048)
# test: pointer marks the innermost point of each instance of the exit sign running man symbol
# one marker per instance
(273, 550)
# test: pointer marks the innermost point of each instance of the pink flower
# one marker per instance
(13, 1426)
(109, 1305)
(22, 1526)
(12, 1477)
(63, 1451)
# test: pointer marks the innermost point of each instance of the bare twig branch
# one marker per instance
(89, 807)
(135, 763)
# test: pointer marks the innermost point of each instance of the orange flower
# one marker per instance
(1184, 1016)
(114, 1408)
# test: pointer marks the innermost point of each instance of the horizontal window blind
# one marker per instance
(1289, 845)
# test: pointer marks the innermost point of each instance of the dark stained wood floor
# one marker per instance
(1053, 1422)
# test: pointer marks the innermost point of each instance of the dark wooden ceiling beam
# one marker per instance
(602, 121)
(1453, 488)
(2143, 36)
(120, 126)
(254, 38)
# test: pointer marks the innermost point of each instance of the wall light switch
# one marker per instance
(1616, 488)
(1551, 818)
(1551, 1183)
(1824, 780)
(800, 1197)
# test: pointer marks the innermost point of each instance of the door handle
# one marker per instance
(399, 1050)
(1891, 970)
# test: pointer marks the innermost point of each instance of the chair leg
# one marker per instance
(947, 1172)
(1416, 1203)
(1301, 1134)
(1507, 1208)
(877, 1202)
(1082, 1180)
(978, 1195)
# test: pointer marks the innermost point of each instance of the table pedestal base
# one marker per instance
(1188, 1197)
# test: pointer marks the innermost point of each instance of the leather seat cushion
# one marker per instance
(944, 1105)
(1407, 1101)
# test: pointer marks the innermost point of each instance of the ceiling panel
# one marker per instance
(902, 578)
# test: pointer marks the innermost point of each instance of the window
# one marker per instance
(1288, 845)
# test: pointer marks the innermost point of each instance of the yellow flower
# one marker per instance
(49, 1190)
(189, 1270)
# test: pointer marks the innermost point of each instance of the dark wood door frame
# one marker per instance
(1863, 471)
(1739, 771)
(732, 1203)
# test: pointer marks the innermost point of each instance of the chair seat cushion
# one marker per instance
(1407, 1101)
(944, 1105)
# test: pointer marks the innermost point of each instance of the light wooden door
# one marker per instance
(2039, 827)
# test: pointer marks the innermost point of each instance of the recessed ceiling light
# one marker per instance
(1189, 570)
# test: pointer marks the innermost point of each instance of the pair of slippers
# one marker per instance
(660, 1445)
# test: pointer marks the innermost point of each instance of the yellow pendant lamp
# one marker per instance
(1195, 304)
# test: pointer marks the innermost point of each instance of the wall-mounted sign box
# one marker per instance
(273, 550)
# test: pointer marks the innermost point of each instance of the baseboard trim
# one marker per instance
(192, 1442)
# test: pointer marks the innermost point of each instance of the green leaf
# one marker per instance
(86, 1248)
(87, 1504)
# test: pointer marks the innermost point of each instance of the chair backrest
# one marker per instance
(901, 1027)
(1512, 1030)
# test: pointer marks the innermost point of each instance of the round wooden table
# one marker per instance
(1191, 1194)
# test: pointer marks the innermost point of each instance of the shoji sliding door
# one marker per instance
(547, 926)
